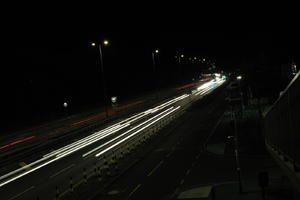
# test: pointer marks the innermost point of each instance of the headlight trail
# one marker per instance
(97, 148)
(84, 142)
(136, 132)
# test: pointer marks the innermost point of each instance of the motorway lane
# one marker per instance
(35, 177)
(66, 124)
(162, 171)
(31, 157)
(45, 134)
(39, 176)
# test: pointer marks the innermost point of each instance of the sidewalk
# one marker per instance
(253, 159)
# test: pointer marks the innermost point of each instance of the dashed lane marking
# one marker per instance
(155, 168)
(20, 194)
(62, 170)
(134, 190)
(182, 181)
(187, 172)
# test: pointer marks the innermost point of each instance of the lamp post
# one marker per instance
(105, 43)
(155, 52)
(180, 57)
(239, 78)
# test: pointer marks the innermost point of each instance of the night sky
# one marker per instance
(42, 70)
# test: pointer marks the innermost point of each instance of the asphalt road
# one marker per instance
(66, 165)
(174, 157)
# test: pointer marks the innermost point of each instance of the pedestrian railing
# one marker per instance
(282, 124)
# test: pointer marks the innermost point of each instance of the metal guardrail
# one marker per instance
(282, 123)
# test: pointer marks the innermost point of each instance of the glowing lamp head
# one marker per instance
(93, 44)
(114, 99)
(106, 42)
(239, 77)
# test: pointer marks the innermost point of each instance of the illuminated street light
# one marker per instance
(105, 43)
(155, 52)
(195, 58)
(239, 77)
(182, 56)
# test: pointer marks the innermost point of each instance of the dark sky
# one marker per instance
(40, 70)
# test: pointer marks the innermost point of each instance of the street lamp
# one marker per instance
(105, 43)
(155, 52)
(239, 77)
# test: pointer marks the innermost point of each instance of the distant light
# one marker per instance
(156, 51)
(93, 44)
(113, 99)
(105, 42)
(239, 77)
(182, 55)
(217, 75)
(195, 58)
(65, 104)
(203, 59)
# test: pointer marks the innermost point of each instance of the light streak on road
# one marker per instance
(97, 148)
(97, 136)
(73, 147)
(136, 132)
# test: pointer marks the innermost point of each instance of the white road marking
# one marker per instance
(135, 189)
(187, 172)
(182, 181)
(155, 168)
(20, 194)
(62, 170)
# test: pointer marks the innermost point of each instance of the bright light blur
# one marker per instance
(217, 75)
(105, 42)
(182, 56)
(205, 85)
(113, 99)
(239, 77)
(156, 51)
(93, 44)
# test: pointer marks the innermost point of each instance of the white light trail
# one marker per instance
(136, 132)
(75, 146)
(97, 148)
